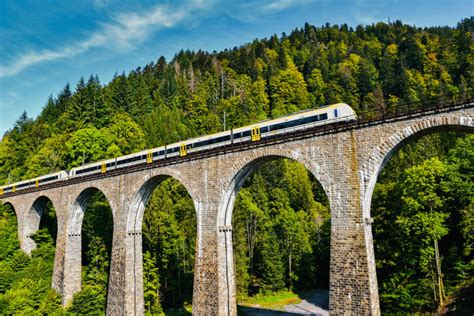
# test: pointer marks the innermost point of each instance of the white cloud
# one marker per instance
(278, 5)
(125, 30)
(282, 4)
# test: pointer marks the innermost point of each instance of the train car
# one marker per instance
(34, 183)
(92, 168)
(145, 156)
(298, 121)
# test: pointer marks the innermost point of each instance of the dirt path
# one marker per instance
(313, 303)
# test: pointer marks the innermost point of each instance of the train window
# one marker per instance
(335, 113)
(246, 134)
(323, 116)
(264, 129)
(202, 143)
(48, 179)
(223, 139)
(311, 119)
(276, 127)
(123, 161)
(81, 171)
(172, 150)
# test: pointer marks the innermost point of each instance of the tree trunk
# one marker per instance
(289, 265)
(440, 276)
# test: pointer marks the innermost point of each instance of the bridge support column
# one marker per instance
(208, 299)
(26, 224)
(353, 281)
(72, 265)
(21, 222)
(125, 291)
(58, 282)
(31, 225)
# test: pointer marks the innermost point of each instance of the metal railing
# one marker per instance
(415, 107)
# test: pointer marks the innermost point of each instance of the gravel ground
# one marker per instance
(313, 303)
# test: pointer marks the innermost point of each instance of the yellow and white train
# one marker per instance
(255, 132)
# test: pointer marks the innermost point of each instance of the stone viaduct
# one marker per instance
(345, 158)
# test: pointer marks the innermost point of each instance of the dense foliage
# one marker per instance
(25, 282)
(423, 210)
(169, 241)
(281, 231)
(281, 217)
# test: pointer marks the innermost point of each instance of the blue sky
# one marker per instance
(46, 43)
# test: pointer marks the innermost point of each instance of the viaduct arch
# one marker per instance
(232, 184)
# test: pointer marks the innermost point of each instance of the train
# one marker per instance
(339, 112)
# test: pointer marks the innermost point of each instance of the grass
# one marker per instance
(270, 301)
(187, 310)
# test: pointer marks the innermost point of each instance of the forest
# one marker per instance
(422, 205)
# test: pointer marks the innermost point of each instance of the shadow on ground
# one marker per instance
(254, 311)
(314, 302)
(318, 298)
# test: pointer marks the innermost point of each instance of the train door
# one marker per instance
(182, 150)
(255, 133)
